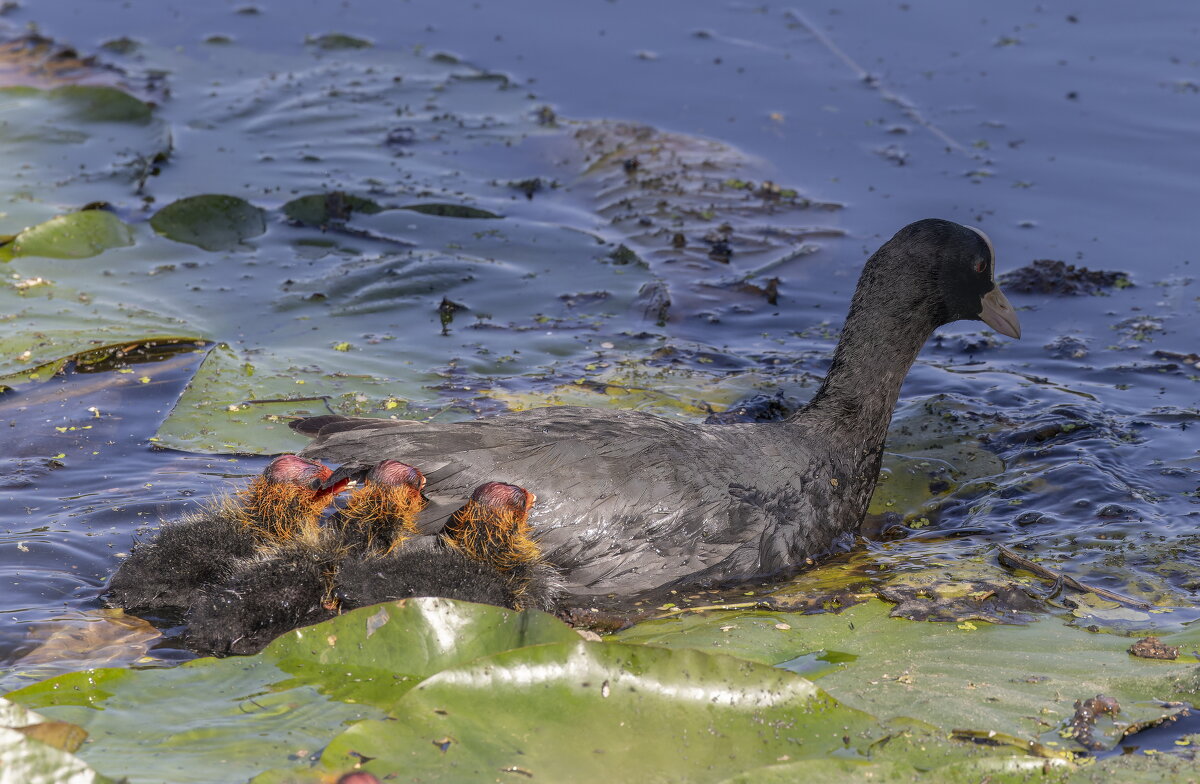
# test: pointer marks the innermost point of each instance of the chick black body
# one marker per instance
(205, 548)
(372, 552)
(263, 597)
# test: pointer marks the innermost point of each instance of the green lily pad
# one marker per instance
(994, 769)
(192, 723)
(631, 384)
(89, 103)
(77, 235)
(337, 41)
(587, 712)
(914, 753)
(451, 211)
(322, 209)
(33, 749)
(1019, 680)
(212, 221)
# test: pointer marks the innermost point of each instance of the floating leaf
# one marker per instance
(632, 384)
(192, 723)
(450, 211)
(321, 209)
(1021, 680)
(34, 750)
(635, 714)
(90, 103)
(336, 41)
(77, 235)
(212, 221)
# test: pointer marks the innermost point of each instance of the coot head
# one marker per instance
(287, 500)
(493, 526)
(943, 269)
(381, 515)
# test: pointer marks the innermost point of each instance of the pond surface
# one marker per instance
(1066, 136)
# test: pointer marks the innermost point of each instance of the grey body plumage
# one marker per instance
(629, 501)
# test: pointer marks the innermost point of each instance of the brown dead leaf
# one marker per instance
(99, 638)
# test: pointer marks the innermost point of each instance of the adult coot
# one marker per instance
(632, 501)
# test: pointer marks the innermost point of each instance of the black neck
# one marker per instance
(873, 357)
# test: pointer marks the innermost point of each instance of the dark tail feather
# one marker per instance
(311, 426)
(330, 423)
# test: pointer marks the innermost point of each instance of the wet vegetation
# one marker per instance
(196, 248)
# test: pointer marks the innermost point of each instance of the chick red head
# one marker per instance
(500, 495)
(396, 474)
(296, 470)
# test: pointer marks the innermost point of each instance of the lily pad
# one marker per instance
(1019, 680)
(77, 235)
(322, 209)
(212, 221)
(191, 723)
(451, 211)
(92, 103)
(336, 41)
(908, 754)
(635, 714)
(34, 750)
(632, 384)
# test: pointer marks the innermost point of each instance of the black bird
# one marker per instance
(632, 501)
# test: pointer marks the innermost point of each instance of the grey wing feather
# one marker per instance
(617, 507)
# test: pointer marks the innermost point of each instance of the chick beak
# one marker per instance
(997, 312)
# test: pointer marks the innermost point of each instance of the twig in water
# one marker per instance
(703, 608)
(1011, 560)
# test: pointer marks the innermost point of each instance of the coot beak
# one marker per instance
(998, 313)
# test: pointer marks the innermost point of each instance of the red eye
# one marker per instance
(980, 266)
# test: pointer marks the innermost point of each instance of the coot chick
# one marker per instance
(279, 589)
(493, 528)
(483, 555)
(633, 501)
(381, 515)
(203, 548)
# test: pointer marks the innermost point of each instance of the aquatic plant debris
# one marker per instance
(1049, 276)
